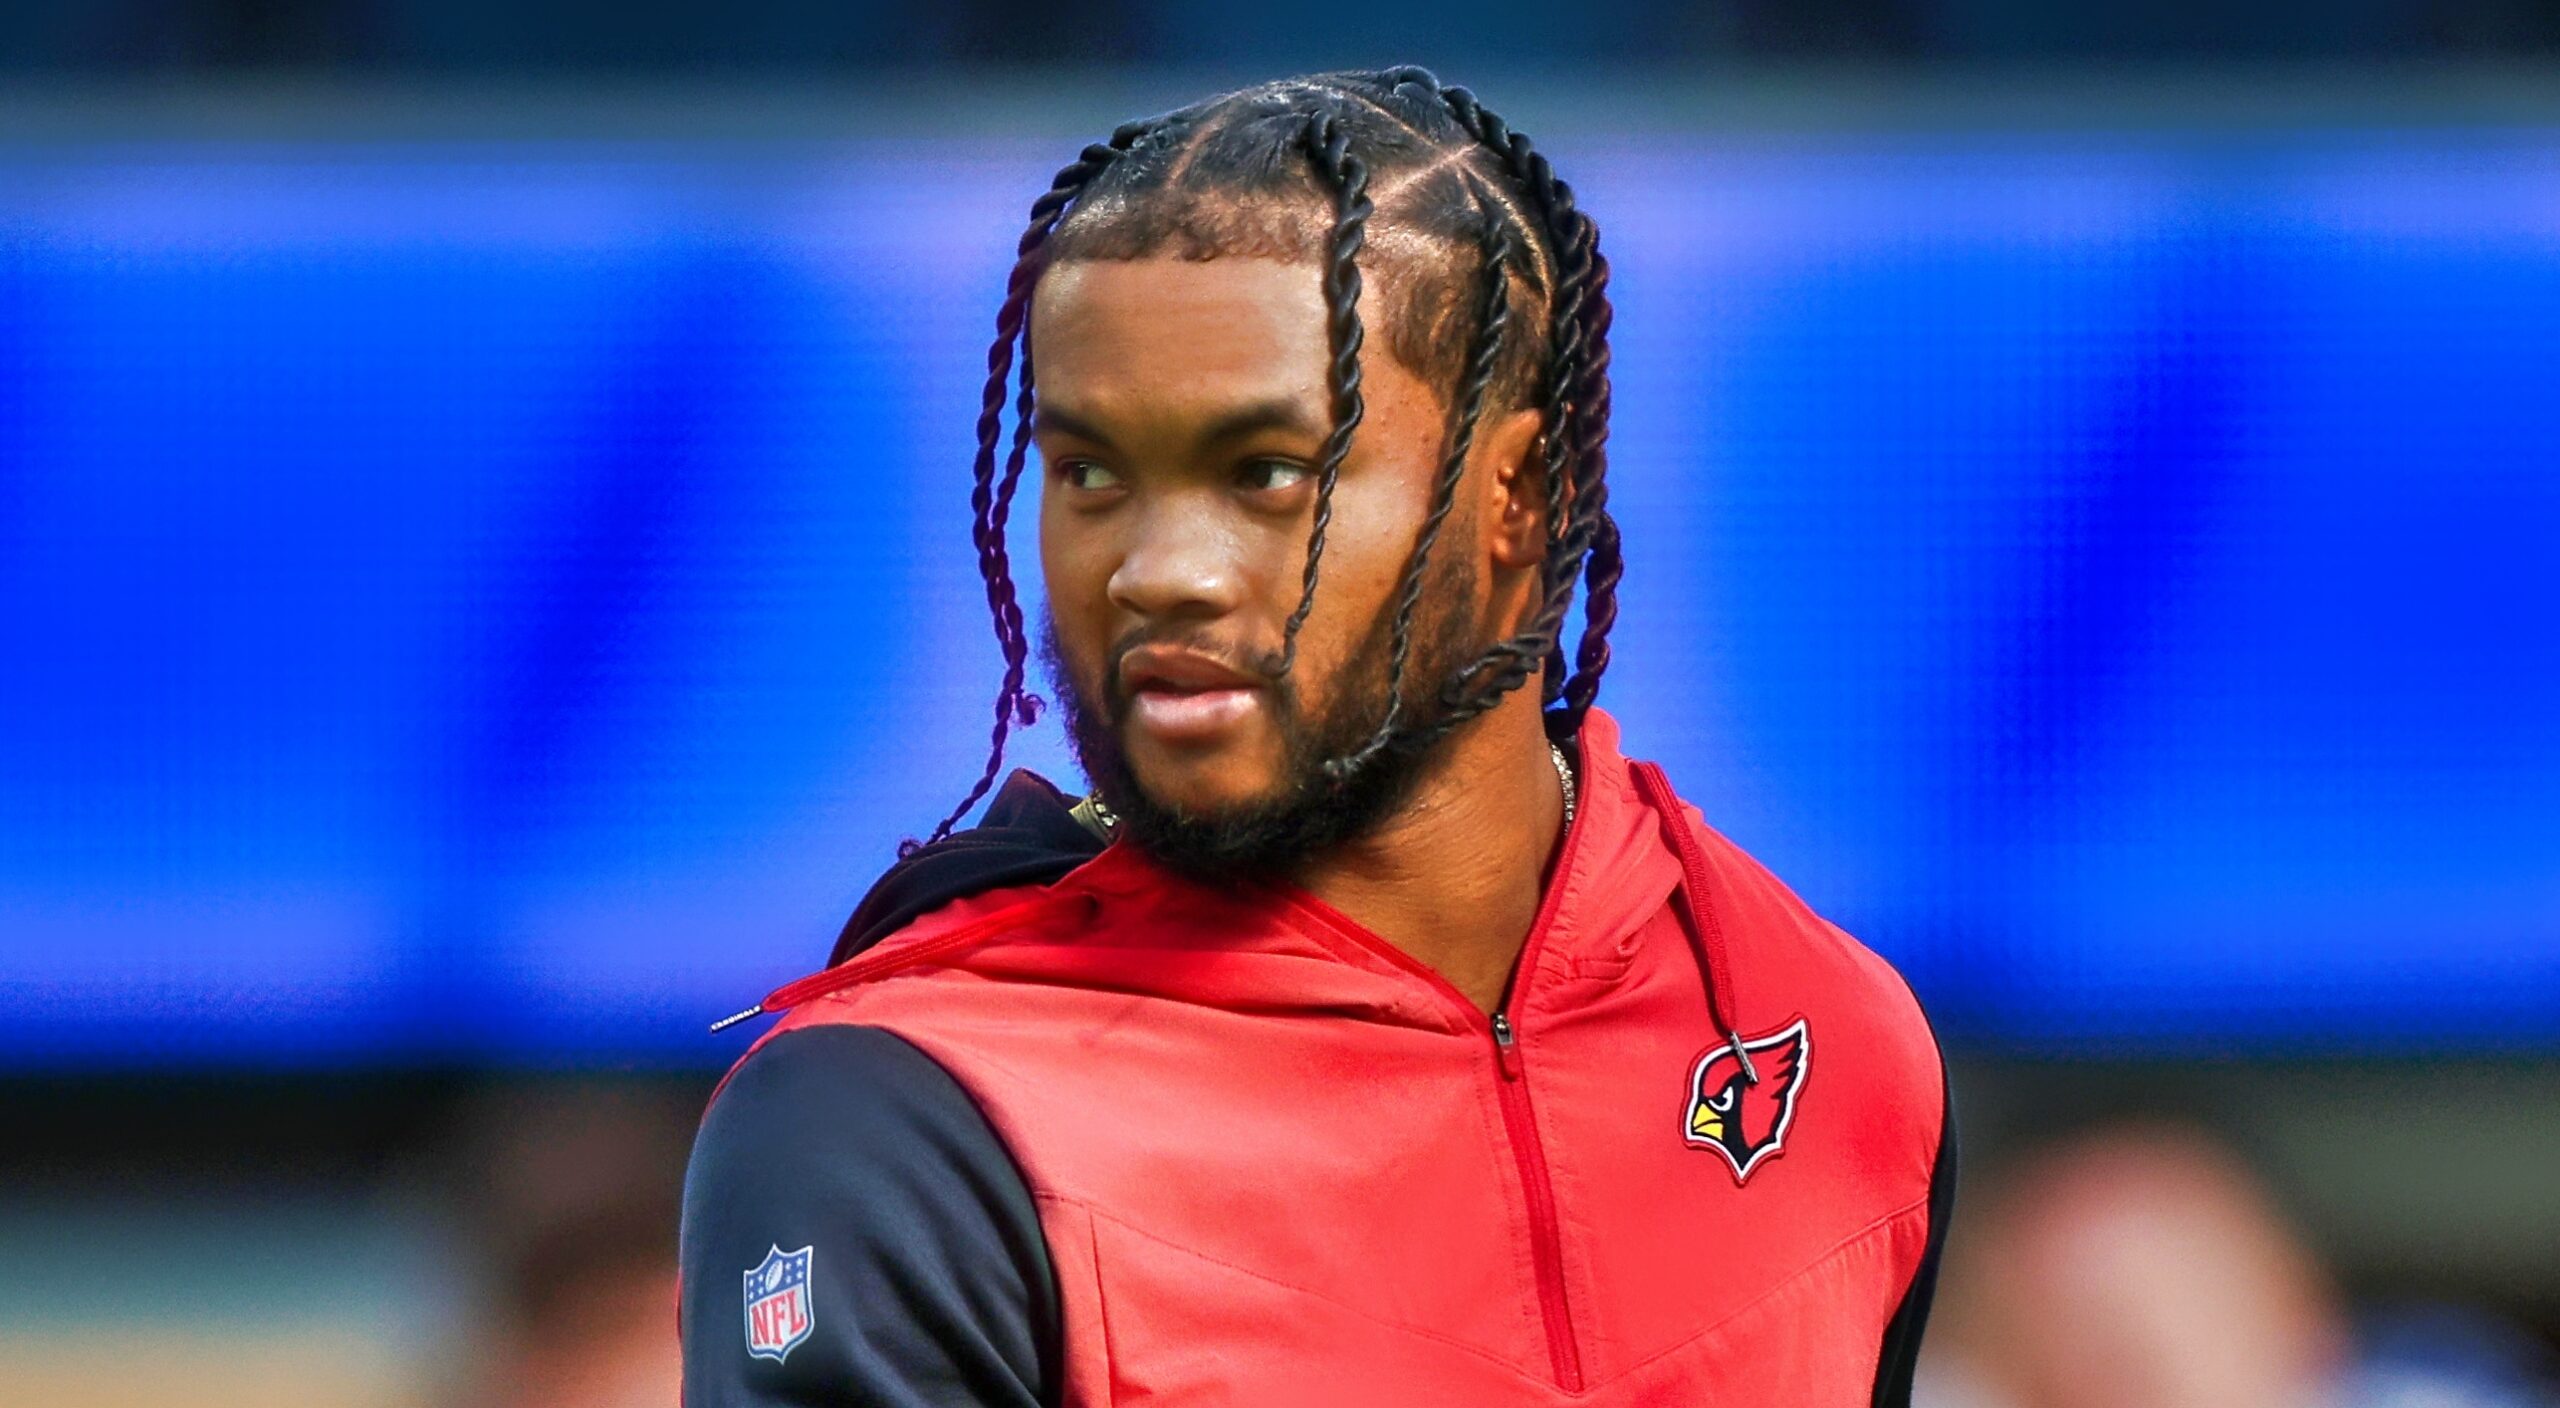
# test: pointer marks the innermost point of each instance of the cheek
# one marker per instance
(1368, 545)
(1075, 569)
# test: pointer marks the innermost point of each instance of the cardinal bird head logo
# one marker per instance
(1743, 1118)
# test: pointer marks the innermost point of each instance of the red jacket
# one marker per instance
(1276, 1160)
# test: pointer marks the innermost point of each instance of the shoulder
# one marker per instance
(1792, 957)
(1785, 933)
(851, 1156)
(1871, 1022)
(833, 1100)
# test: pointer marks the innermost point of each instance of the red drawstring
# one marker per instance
(1706, 932)
(872, 965)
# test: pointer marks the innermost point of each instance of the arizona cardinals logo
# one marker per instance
(1744, 1120)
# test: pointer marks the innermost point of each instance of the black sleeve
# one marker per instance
(927, 1279)
(1901, 1352)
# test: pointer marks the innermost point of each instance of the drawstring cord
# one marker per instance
(1705, 931)
(874, 963)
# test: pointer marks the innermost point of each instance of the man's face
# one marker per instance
(1181, 417)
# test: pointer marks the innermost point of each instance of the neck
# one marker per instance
(1454, 878)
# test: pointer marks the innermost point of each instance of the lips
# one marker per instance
(1182, 698)
(1180, 671)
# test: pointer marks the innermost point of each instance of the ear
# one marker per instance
(1515, 490)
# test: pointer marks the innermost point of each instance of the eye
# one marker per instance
(1722, 1102)
(1266, 475)
(1085, 474)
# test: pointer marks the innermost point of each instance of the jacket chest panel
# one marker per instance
(1149, 1323)
(1662, 1235)
(1357, 1165)
(1357, 1183)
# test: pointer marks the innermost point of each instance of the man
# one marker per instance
(1376, 1032)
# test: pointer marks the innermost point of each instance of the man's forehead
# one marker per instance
(1246, 328)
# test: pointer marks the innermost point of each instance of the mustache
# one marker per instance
(1262, 667)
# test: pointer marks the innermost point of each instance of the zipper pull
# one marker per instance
(1505, 1054)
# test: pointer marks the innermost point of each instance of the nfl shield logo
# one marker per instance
(778, 1304)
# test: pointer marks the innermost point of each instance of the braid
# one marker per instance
(1493, 323)
(992, 496)
(1575, 420)
(1600, 606)
(1600, 612)
(1350, 177)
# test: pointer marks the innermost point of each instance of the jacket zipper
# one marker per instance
(1519, 1123)
(1546, 1249)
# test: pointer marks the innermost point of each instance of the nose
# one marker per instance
(1180, 562)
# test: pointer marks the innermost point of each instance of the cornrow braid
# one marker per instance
(1605, 564)
(1574, 431)
(1331, 147)
(1492, 324)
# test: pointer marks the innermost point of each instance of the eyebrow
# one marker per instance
(1260, 416)
(1240, 423)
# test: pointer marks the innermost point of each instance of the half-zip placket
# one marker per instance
(1546, 1247)
(1511, 1091)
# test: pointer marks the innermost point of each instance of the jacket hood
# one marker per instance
(1029, 835)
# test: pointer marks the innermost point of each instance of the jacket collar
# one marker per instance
(1107, 916)
(1030, 835)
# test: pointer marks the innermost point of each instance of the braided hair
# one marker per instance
(1495, 286)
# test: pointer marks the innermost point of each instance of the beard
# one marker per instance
(1311, 810)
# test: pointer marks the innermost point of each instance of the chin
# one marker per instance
(1202, 785)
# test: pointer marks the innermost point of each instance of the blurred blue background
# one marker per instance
(503, 599)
